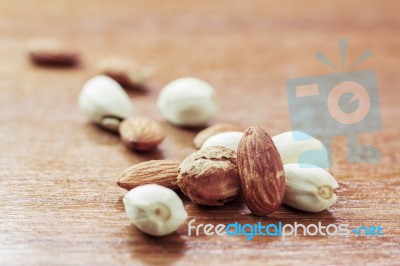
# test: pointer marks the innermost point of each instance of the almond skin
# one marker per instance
(160, 172)
(203, 135)
(262, 177)
(141, 134)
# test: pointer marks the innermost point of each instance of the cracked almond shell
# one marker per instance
(209, 176)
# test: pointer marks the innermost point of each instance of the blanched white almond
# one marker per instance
(228, 140)
(299, 147)
(188, 102)
(105, 102)
(208, 132)
(309, 188)
(154, 209)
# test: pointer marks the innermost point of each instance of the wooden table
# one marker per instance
(59, 203)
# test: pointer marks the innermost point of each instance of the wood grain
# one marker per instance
(59, 203)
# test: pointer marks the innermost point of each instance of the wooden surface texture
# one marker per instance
(58, 200)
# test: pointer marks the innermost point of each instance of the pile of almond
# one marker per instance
(216, 174)
(287, 168)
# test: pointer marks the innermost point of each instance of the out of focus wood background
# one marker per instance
(58, 200)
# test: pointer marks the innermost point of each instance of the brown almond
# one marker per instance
(203, 135)
(160, 172)
(262, 177)
(141, 134)
(49, 52)
(126, 72)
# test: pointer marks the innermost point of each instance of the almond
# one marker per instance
(141, 134)
(229, 139)
(262, 178)
(126, 72)
(203, 135)
(105, 102)
(50, 52)
(188, 102)
(160, 172)
(309, 187)
(299, 147)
